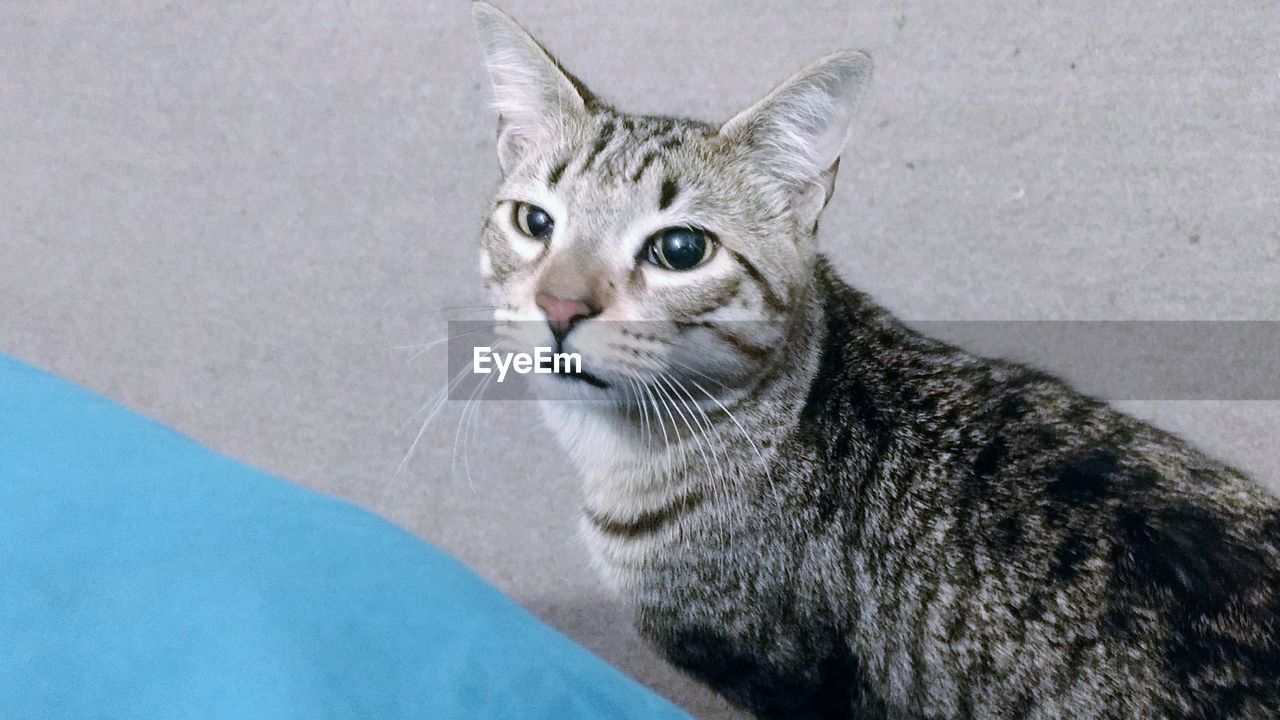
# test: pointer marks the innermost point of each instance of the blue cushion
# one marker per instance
(143, 576)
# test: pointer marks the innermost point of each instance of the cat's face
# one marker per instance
(660, 250)
(646, 247)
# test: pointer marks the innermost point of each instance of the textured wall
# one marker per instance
(227, 214)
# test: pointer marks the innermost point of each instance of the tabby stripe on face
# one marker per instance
(646, 523)
(645, 162)
(606, 134)
(770, 297)
(668, 195)
(556, 172)
(745, 347)
(720, 297)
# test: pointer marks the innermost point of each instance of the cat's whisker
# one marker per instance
(423, 347)
(437, 402)
(711, 433)
(418, 346)
(642, 413)
(454, 312)
(489, 380)
(462, 418)
(694, 435)
(462, 308)
(460, 434)
(696, 371)
(680, 447)
(721, 481)
(644, 407)
(661, 404)
(470, 428)
(666, 439)
(418, 413)
(763, 463)
(632, 409)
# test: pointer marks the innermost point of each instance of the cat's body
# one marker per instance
(935, 535)
(814, 509)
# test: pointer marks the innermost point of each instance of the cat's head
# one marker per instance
(655, 247)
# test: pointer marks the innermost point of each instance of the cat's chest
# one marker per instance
(695, 558)
(700, 570)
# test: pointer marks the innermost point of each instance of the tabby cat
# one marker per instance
(815, 510)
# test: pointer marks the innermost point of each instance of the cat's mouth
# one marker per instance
(584, 376)
(574, 375)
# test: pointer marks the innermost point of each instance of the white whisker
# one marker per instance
(721, 481)
(741, 429)
(424, 347)
(460, 434)
(666, 440)
(437, 402)
(696, 371)
(693, 434)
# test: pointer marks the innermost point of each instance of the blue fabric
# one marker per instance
(143, 576)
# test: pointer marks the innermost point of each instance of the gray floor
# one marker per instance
(226, 215)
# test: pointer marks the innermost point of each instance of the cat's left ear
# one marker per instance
(797, 132)
(532, 92)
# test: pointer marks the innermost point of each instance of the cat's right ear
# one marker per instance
(532, 92)
(797, 132)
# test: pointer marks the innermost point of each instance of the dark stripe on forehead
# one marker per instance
(556, 172)
(648, 522)
(645, 162)
(606, 134)
(669, 191)
(658, 125)
(770, 298)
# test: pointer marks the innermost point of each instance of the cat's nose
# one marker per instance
(563, 313)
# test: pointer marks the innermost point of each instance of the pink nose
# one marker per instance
(563, 314)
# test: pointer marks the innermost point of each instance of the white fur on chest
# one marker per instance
(621, 479)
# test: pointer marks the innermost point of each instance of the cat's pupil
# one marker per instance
(681, 248)
(534, 221)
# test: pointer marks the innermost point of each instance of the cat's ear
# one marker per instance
(532, 92)
(797, 132)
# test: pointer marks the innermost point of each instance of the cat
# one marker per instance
(810, 507)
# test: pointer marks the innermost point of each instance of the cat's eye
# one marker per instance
(680, 248)
(533, 221)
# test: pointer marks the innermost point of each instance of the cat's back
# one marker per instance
(1005, 527)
